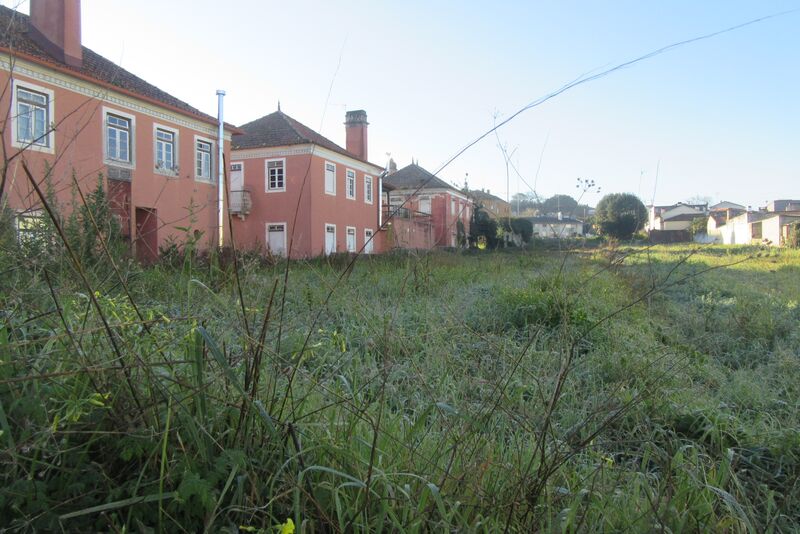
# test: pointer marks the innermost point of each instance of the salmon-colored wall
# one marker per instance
(444, 221)
(79, 139)
(304, 207)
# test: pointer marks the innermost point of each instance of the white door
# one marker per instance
(330, 238)
(368, 242)
(276, 239)
(237, 177)
(351, 239)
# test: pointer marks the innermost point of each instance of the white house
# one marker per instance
(556, 227)
(675, 217)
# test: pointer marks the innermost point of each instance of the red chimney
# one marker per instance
(356, 130)
(56, 27)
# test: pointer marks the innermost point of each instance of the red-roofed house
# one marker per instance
(297, 193)
(71, 110)
(437, 210)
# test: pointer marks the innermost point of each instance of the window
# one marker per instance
(350, 188)
(276, 179)
(351, 239)
(165, 150)
(452, 206)
(330, 238)
(368, 189)
(368, 242)
(330, 178)
(33, 117)
(31, 227)
(118, 138)
(202, 158)
(425, 205)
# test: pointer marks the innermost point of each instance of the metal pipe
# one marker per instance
(221, 167)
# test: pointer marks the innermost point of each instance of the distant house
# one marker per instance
(420, 193)
(495, 206)
(732, 224)
(75, 113)
(292, 188)
(556, 227)
(725, 205)
(719, 215)
(783, 205)
(674, 217)
(738, 230)
(773, 229)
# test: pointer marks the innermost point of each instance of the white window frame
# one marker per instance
(230, 173)
(347, 234)
(108, 160)
(285, 236)
(453, 205)
(350, 184)
(211, 169)
(369, 187)
(325, 239)
(49, 147)
(325, 178)
(267, 188)
(369, 244)
(164, 171)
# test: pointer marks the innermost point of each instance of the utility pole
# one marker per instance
(221, 169)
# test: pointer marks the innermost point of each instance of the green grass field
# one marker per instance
(628, 389)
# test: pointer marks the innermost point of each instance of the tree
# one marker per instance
(620, 215)
(698, 226)
(556, 203)
(482, 228)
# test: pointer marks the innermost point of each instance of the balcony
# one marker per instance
(240, 202)
(397, 212)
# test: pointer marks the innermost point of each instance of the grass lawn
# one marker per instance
(632, 389)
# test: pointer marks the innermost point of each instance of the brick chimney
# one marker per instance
(56, 27)
(355, 126)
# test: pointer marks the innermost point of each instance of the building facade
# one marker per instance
(75, 117)
(419, 192)
(296, 193)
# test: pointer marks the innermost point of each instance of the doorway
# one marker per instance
(146, 241)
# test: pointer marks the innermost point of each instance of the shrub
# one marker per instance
(620, 215)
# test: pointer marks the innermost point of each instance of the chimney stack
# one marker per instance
(56, 27)
(356, 132)
(392, 166)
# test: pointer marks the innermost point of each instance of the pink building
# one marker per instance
(71, 110)
(297, 193)
(427, 211)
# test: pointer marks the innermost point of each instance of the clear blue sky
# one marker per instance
(722, 116)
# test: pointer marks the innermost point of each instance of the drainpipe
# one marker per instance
(221, 167)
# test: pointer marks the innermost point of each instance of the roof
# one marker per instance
(552, 220)
(415, 177)
(279, 129)
(660, 209)
(720, 217)
(685, 217)
(726, 205)
(15, 37)
(478, 194)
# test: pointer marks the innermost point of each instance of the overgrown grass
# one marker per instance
(480, 392)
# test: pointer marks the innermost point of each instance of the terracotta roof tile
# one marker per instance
(279, 129)
(15, 36)
(415, 177)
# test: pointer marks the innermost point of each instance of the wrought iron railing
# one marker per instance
(240, 202)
